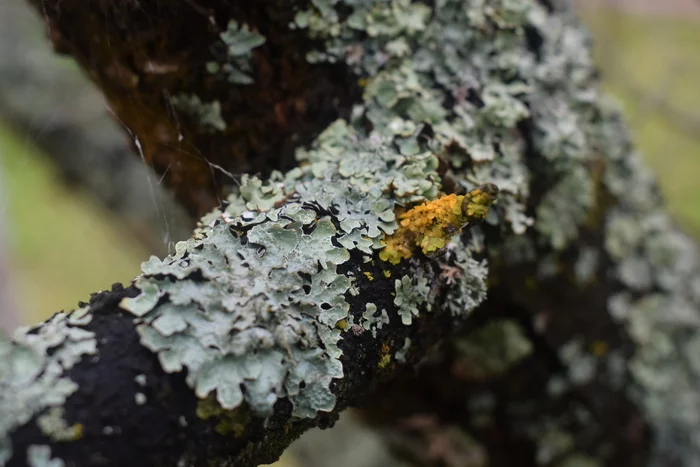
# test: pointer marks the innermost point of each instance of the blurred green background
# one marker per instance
(62, 246)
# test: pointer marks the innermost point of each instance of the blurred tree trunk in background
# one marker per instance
(585, 351)
(9, 313)
(48, 100)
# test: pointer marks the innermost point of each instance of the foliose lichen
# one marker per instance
(492, 349)
(31, 376)
(431, 225)
(411, 296)
(372, 320)
(207, 115)
(239, 42)
(253, 305)
(40, 456)
(54, 425)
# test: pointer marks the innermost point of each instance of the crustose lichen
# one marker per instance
(431, 225)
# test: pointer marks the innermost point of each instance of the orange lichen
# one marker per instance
(599, 348)
(429, 226)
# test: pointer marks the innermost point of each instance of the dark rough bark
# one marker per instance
(166, 430)
(143, 54)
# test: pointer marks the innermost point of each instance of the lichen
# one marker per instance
(239, 42)
(40, 456)
(206, 115)
(384, 356)
(411, 296)
(492, 349)
(565, 208)
(229, 421)
(54, 425)
(431, 225)
(370, 320)
(503, 94)
(253, 305)
(400, 355)
(31, 373)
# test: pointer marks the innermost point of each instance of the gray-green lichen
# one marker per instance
(240, 41)
(40, 456)
(140, 379)
(580, 460)
(31, 369)
(411, 295)
(250, 305)
(372, 319)
(400, 354)
(659, 267)
(479, 59)
(54, 425)
(272, 242)
(207, 115)
(493, 348)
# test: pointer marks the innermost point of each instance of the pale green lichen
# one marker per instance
(31, 369)
(465, 276)
(411, 296)
(240, 41)
(206, 115)
(586, 265)
(493, 348)
(565, 207)
(259, 197)
(400, 354)
(580, 460)
(54, 425)
(552, 443)
(254, 313)
(580, 364)
(516, 62)
(40, 456)
(497, 79)
(371, 321)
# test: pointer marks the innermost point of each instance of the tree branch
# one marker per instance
(280, 311)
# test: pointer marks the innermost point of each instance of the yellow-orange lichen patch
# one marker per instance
(429, 226)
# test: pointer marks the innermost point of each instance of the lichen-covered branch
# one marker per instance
(273, 317)
(307, 288)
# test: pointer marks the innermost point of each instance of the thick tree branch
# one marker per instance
(205, 100)
(280, 311)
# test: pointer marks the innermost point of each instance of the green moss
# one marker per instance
(493, 349)
(230, 422)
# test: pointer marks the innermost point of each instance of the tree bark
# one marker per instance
(304, 291)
